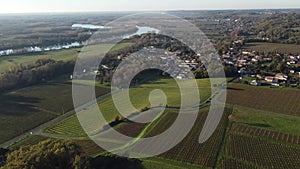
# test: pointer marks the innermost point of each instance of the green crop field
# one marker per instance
(273, 47)
(284, 101)
(139, 98)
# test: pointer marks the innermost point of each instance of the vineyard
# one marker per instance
(274, 100)
(271, 135)
(273, 47)
(261, 153)
(189, 150)
(230, 163)
(140, 99)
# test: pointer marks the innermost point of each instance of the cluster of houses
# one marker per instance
(277, 80)
(243, 63)
(177, 67)
(33, 49)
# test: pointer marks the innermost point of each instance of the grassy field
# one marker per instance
(284, 101)
(139, 98)
(273, 47)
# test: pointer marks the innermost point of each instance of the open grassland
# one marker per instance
(284, 101)
(273, 47)
(139, 98)
(26, 108)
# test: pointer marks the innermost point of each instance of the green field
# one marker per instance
(139, 98)
(273, 47)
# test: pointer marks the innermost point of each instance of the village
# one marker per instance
(257, 69)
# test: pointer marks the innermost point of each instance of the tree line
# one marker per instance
(42, 70)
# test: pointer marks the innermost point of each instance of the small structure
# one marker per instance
(255, 83)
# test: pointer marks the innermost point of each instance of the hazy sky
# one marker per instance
(22, 6)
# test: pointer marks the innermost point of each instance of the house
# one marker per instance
(275, 84)
(259, 76)
(246, 53)
(269, 79)
(281, 76)
(255, 83)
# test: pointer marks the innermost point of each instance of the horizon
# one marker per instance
(87, 6)
(141, 11)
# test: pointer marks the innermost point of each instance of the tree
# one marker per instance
(48, 154)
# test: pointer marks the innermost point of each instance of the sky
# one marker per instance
(38, 6)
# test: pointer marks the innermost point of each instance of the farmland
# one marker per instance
(189, 150)
(274, 131)
(274, 100)
(273, 47)
(139, 98)
(26, 108)
(257, 139)
(289, 125)
(259, 153)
